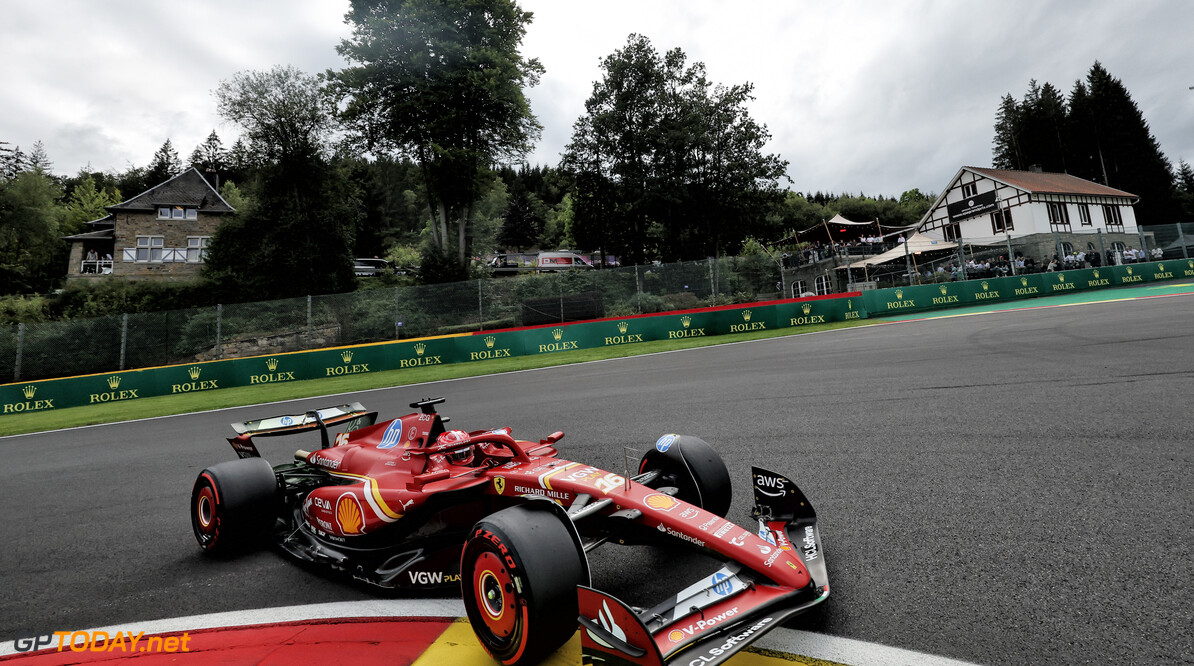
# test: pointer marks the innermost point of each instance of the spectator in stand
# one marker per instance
(1081, 258)
(1030, 264)
(1158, 254)
(1096, 259)
(1052, 267)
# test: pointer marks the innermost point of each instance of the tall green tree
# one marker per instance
(85, 203)
(1122, 151)
(1099, 135)
(32, 254)
(210, 155)
(666, 164)
(441, 82)
(164, 165)
(296, 238)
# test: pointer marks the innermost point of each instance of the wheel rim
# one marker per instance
(206, 517)
(494, 591)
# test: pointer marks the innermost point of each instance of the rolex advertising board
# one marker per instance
(486, 346)
(819, 311)
(744, 319)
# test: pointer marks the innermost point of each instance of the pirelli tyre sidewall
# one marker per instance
(518, 575)
(233, 505)
(695, 468)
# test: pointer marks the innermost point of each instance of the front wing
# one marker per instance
(711, 620)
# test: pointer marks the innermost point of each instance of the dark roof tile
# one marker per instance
(188, 188)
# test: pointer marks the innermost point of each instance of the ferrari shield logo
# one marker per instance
(499, 484)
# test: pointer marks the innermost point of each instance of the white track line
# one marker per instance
(792, 641)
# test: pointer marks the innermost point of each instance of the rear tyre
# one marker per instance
(693, 466)
(233, 505)
(518, 576)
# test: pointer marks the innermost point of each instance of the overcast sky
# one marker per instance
(873, 97)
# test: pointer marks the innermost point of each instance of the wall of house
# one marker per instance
(128, 226)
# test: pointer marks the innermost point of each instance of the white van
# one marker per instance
(561, 260)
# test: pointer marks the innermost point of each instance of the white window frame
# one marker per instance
(149, 249)
(1084, 215)
(1112, 218)
(969, 190)
(196, 252)
(1059, 216)
(821, 285)
(177, 213)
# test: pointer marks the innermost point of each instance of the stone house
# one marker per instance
(161, 233)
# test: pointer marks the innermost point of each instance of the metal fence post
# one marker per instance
(310, 322)
(1103, 249)
(124, 337)
(1143, 246)
(1011, 254)
(219, 330)
(560, 284)
(1181, 237)
(16, 371)
(480, 307)
(397, 321)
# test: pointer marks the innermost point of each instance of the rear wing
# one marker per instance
(354, 415)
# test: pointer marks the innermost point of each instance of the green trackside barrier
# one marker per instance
(900, 300)
(1184, 267)
(744, 320)
(484, 346)
(819, 311)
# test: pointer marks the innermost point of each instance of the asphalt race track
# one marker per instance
(1007, 488)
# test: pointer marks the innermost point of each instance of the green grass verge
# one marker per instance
(166, 405)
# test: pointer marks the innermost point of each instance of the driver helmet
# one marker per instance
(452, 437)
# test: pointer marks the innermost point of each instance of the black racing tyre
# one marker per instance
(233, 505)
(693, 466)
(518, 575)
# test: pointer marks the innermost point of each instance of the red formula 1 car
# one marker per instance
(406, 503)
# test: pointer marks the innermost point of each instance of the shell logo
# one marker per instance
(675, 635)
(348, 515)
(661, 502)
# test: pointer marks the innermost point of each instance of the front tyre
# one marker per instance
(233, 505)
(518, 575)
(692, 466)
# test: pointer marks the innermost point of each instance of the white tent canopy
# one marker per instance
(838, 219)
(916, 244)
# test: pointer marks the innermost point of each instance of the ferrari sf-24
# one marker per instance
(409, 504)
